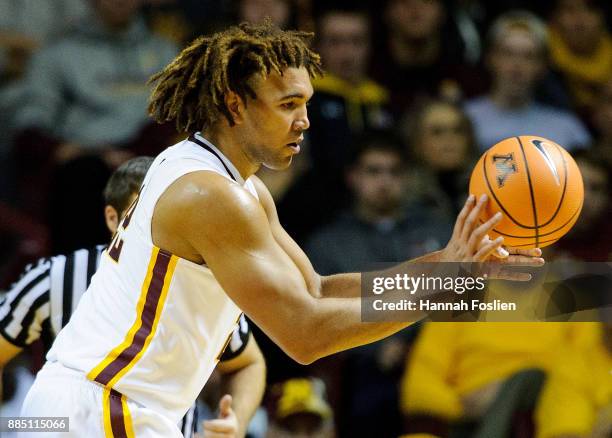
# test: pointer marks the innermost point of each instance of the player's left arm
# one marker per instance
(346, 285)
(349, 285)
(244, 381)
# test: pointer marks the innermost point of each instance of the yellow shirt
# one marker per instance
(577, 396)
(450, 360)
(584, 74)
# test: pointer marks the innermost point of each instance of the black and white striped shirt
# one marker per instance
(40, 303)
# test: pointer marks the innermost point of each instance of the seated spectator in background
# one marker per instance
(516, 58)
(84, 107)
(576, 401)
(378, 228)
(300, 409)
(441, 142)
(346, 101)
(415, 58)
(25, 25)
(478, 380)
(379, 217)
(591, 237)
(581, 48)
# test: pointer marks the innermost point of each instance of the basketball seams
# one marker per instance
(530, 245)
(533, 204)
(564, 188)
(542, 234)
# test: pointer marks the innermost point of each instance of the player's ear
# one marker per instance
(111, 217)
(235, 106)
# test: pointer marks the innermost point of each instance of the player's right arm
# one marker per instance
(235, 239)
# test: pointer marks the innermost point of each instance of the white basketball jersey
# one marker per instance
(152, 325)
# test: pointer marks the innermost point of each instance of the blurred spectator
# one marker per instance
(346, 101)
(478, 380)
(591, 237)
(83, 112)
(379, 228)
(581, 48)
(577, 397)
(25, 25)
(418, 53)
(300, 410)
(516, 58)
(441, 142)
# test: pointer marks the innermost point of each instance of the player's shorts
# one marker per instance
(93, 411)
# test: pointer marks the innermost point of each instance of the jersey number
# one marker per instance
(114, 250)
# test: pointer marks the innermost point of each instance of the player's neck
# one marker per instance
(232, 148)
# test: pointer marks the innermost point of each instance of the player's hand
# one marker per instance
(226, 425)
(498, 264)
(468, 243)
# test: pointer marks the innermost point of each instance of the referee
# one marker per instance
(41, 302)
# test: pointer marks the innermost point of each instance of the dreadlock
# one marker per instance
(190, 91)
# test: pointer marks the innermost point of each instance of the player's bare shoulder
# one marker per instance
(265, 198)
(201, 207)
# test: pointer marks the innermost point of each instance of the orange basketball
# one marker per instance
(537, 186)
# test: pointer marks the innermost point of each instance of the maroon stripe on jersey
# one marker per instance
(117, 419)
(147, 318)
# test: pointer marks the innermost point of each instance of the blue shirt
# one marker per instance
(493, 124)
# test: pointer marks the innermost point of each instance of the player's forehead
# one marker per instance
(294, 82)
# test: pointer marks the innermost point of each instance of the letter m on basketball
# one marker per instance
(505, 166)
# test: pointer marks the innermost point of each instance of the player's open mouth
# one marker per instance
(295, 146)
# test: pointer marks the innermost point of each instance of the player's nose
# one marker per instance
(302, 123)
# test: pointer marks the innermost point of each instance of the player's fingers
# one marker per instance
(219, 426)
(531, 252)
(225, 405)
(472, 219)
(469, 204)
(486, 250)
(499, 252)
(505, 274)
(521, 260)
(479, 233)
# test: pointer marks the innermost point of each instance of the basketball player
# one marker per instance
(202, 243)
(41, 302)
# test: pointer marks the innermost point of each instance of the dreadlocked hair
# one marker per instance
(191, 90)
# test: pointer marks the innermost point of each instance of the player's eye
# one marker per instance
(289, 105)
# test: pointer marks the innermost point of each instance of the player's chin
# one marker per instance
(279, 163)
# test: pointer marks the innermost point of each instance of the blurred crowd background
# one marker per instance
(414, 91)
